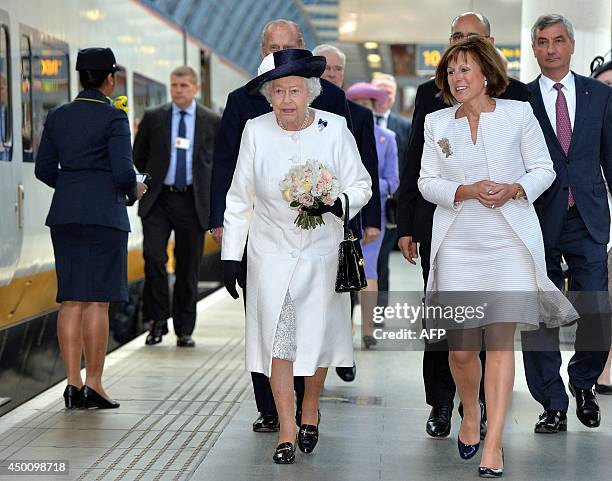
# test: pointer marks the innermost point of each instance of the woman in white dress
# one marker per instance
(484, 163)
(296, 324)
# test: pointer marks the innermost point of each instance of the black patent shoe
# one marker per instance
(308, 436)
(483, 418)
(466, 451)
(485, 472)
(266, 423)
(284, 454)
(605, 389)
(369, 341)
(347, 374)
(185, 341)
(72, 397)
(157, 331)
(93, 400)
(551, 422)
(439, 421)
(587, 408)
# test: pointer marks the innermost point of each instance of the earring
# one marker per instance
(485, 82)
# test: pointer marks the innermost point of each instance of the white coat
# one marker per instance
(282, 256)
(516, 152)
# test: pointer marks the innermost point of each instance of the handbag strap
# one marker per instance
(347, 231)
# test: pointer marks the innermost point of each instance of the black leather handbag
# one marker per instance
(351, 274)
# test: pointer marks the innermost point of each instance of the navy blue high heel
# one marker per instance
(467, 451)
(485, 472)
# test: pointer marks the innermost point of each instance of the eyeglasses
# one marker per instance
(457, 36)
(335, 68)
(280, 93)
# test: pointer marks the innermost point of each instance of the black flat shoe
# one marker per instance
(185, 341)
(551, 422)
(347, 374)
(369, 341)
(605, 389)
(485, 472)
(483, 418)
(72, 397)
(308, 436)
(266, 423)
(156, 333)
(93, 400)
(439, 421)
(587, 408)
(284, 454)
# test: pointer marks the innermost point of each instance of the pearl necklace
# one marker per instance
(302, 127)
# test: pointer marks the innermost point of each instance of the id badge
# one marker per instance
(182, 143)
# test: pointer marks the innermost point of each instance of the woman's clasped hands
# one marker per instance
(487, 192)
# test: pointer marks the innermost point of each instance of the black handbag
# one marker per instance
(351, 274)
(391, 211)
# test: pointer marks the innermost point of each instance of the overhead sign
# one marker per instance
(429, 55)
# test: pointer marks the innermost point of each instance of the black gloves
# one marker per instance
(335, 208)
(232, 272)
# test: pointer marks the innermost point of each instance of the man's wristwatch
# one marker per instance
(520, 193)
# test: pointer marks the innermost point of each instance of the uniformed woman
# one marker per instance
(85, 155)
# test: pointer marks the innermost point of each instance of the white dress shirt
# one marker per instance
(549, 96)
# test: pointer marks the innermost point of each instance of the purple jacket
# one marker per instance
(386, 148)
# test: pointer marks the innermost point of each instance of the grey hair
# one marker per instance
(325, 47)
(549, 20)
(287, 23)
(313, 85)
(481, 17)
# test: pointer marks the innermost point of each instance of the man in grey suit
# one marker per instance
(174, 144)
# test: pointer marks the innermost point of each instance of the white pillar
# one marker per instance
(592, 21)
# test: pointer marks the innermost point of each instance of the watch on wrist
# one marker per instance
(520, 193)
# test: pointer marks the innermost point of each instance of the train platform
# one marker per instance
(186, 414)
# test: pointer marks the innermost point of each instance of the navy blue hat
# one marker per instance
(285, 63)
(101, 59)
(600, 67)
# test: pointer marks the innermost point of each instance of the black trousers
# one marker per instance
(439, 384)
(382, 267)
(588, 266)
(261, 383)
(173, 211)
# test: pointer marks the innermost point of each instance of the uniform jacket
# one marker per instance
(152, 155)
(282, 256)
(85, 154)
(590, 152)
(415, 214)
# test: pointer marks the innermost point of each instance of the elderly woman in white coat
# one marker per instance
(296, 324)
(484, 163)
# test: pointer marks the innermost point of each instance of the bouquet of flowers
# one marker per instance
(308, 185)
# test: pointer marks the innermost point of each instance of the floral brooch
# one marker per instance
(445, 146)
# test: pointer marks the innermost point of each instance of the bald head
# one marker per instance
(469, 24)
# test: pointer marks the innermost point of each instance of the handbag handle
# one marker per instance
(347, 231)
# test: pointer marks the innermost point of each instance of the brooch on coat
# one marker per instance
(322, 124)
(445, 146)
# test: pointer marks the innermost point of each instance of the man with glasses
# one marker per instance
(415, 218)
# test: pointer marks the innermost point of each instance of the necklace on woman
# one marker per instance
(306, 119)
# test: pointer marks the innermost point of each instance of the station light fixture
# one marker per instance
(370, 45)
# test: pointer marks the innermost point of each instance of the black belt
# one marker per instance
(182, 190)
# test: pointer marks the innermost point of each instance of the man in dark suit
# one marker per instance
(363, 130)
(240, 107)
(575, 114)
(401, 126)
(174, 144)
(415, 219)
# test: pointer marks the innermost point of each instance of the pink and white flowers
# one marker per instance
(308, 185)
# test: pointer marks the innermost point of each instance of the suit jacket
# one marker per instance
(152, 155)
(415, 214)
(590, 151)
(363, 130)
(86, 156)
(241, 107)
(402, 128)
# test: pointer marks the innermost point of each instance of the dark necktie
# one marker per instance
(564, 130)
(180, 178)
(379, 119)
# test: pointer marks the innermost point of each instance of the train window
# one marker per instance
(120, 83)
(26, 98)
(53, 75)
(147, 93)
(6, 119)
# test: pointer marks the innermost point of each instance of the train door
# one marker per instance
(11, 191)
